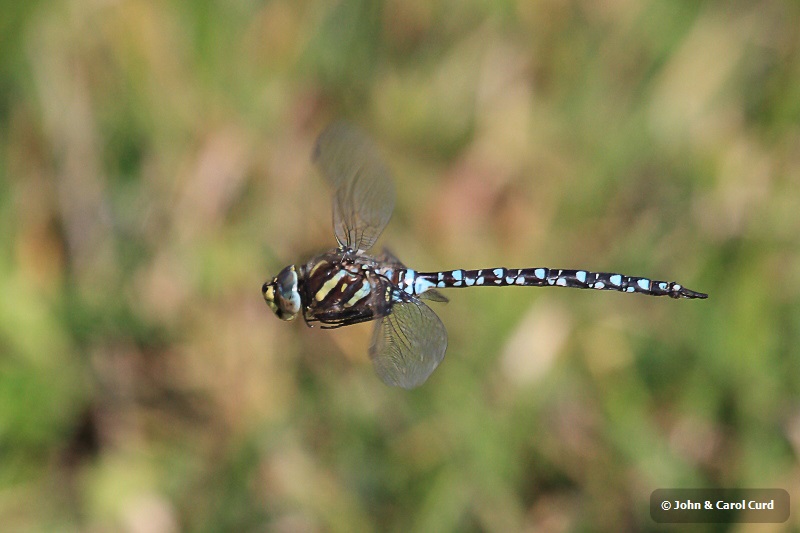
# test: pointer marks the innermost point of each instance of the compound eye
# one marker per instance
(287, 281)
(287, 293)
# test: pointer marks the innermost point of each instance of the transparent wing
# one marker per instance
(408, 344)
(363, 198)
(434, 296)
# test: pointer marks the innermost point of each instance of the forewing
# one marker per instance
(363, 190)
(408, 344)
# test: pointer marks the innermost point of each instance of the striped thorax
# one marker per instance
(337, 288)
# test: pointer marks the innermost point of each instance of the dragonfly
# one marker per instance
(348, 285)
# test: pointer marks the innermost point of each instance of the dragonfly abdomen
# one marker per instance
(418, 282)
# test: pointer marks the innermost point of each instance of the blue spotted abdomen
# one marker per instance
(418, 282)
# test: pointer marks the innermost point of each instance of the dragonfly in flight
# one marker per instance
(348, 285)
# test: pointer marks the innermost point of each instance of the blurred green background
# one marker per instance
(154, 171)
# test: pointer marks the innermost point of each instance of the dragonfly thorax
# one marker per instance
(282, 295)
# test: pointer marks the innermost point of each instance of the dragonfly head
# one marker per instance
(281, 294)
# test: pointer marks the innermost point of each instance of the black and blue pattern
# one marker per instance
(347, 286)
(417, 283)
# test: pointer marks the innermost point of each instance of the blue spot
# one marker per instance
(581, 276)
(498, 272)
(644, 284)
(539, 273)
(421, 285)
(561, 282)
(629, 289)
(409, 277)
(457, 275)
(662, 286)
(479, 281)
(616, 279)
(599, 285)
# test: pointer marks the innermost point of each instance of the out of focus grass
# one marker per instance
(154, 171)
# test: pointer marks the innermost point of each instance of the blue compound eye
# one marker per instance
(281, 294)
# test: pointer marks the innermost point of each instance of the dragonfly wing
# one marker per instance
(408, 344)
(434, 296)
(364, 194)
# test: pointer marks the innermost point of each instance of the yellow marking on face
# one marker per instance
(328, 286)
(269, 296)
(360, 293)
